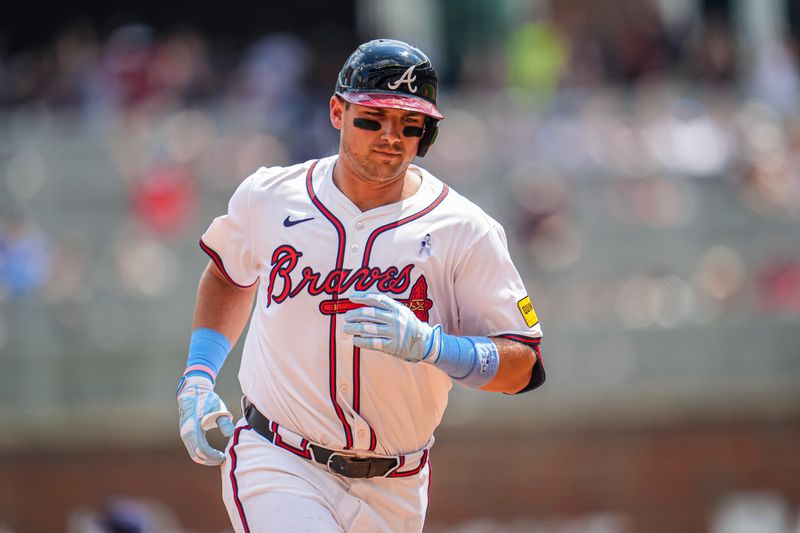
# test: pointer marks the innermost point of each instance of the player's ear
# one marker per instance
(337, 110)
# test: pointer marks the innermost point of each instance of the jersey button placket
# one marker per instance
(361, 435)
(356, 247)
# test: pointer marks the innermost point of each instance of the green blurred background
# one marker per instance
(643, 156)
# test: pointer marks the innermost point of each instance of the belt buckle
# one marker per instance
(349, 466)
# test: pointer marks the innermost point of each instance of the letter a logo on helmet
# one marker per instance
(405, 78)
(385, 73)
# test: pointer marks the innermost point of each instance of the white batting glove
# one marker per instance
(199, 410)
(391, 327)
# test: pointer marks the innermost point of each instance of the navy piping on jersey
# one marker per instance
(422, 462)
(373, 440)
(527, 341)
(357, 392)
(398, 223)
(348, 432)
(218, 261)
(302, 451)
(234, 484)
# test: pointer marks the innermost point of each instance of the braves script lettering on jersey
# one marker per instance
(298, 368)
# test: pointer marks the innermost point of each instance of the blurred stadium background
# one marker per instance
(643, 155)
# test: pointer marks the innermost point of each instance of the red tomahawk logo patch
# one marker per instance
(417, 301)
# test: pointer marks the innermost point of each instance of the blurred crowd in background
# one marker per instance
(644, 161)
(650, 99)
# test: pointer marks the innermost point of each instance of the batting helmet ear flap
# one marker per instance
(428, 136)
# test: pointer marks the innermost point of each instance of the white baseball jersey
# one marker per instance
(292, 231)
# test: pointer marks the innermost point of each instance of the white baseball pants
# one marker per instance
(266, 488)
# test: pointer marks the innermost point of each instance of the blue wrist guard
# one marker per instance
(208, 350)
(472, 361)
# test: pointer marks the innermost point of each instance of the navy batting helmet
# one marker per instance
(389, 73)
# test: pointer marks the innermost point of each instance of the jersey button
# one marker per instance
(359, 225)
(354, 248)
(344, 387)
(362, 433)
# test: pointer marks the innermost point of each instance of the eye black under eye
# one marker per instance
(366, 124)
(373, 125)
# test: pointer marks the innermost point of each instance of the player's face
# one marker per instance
(375, 142)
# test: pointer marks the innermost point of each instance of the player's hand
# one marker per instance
(389, 326)
(200, 409)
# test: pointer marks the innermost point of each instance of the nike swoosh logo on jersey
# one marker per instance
(289, 223)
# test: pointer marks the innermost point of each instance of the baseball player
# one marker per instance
(376, 286)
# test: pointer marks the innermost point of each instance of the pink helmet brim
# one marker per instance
(394, 101)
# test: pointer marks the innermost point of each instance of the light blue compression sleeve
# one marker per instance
(471, 361)
(208, 350)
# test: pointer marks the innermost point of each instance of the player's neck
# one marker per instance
(367, 194)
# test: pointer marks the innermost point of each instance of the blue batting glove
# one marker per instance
(391, 327)
(199, 410)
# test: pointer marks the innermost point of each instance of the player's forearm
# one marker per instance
(221, 306)
(516, 365)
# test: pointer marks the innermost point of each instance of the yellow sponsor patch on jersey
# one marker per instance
(528, 313)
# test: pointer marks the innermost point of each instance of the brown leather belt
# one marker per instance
(336, 462)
